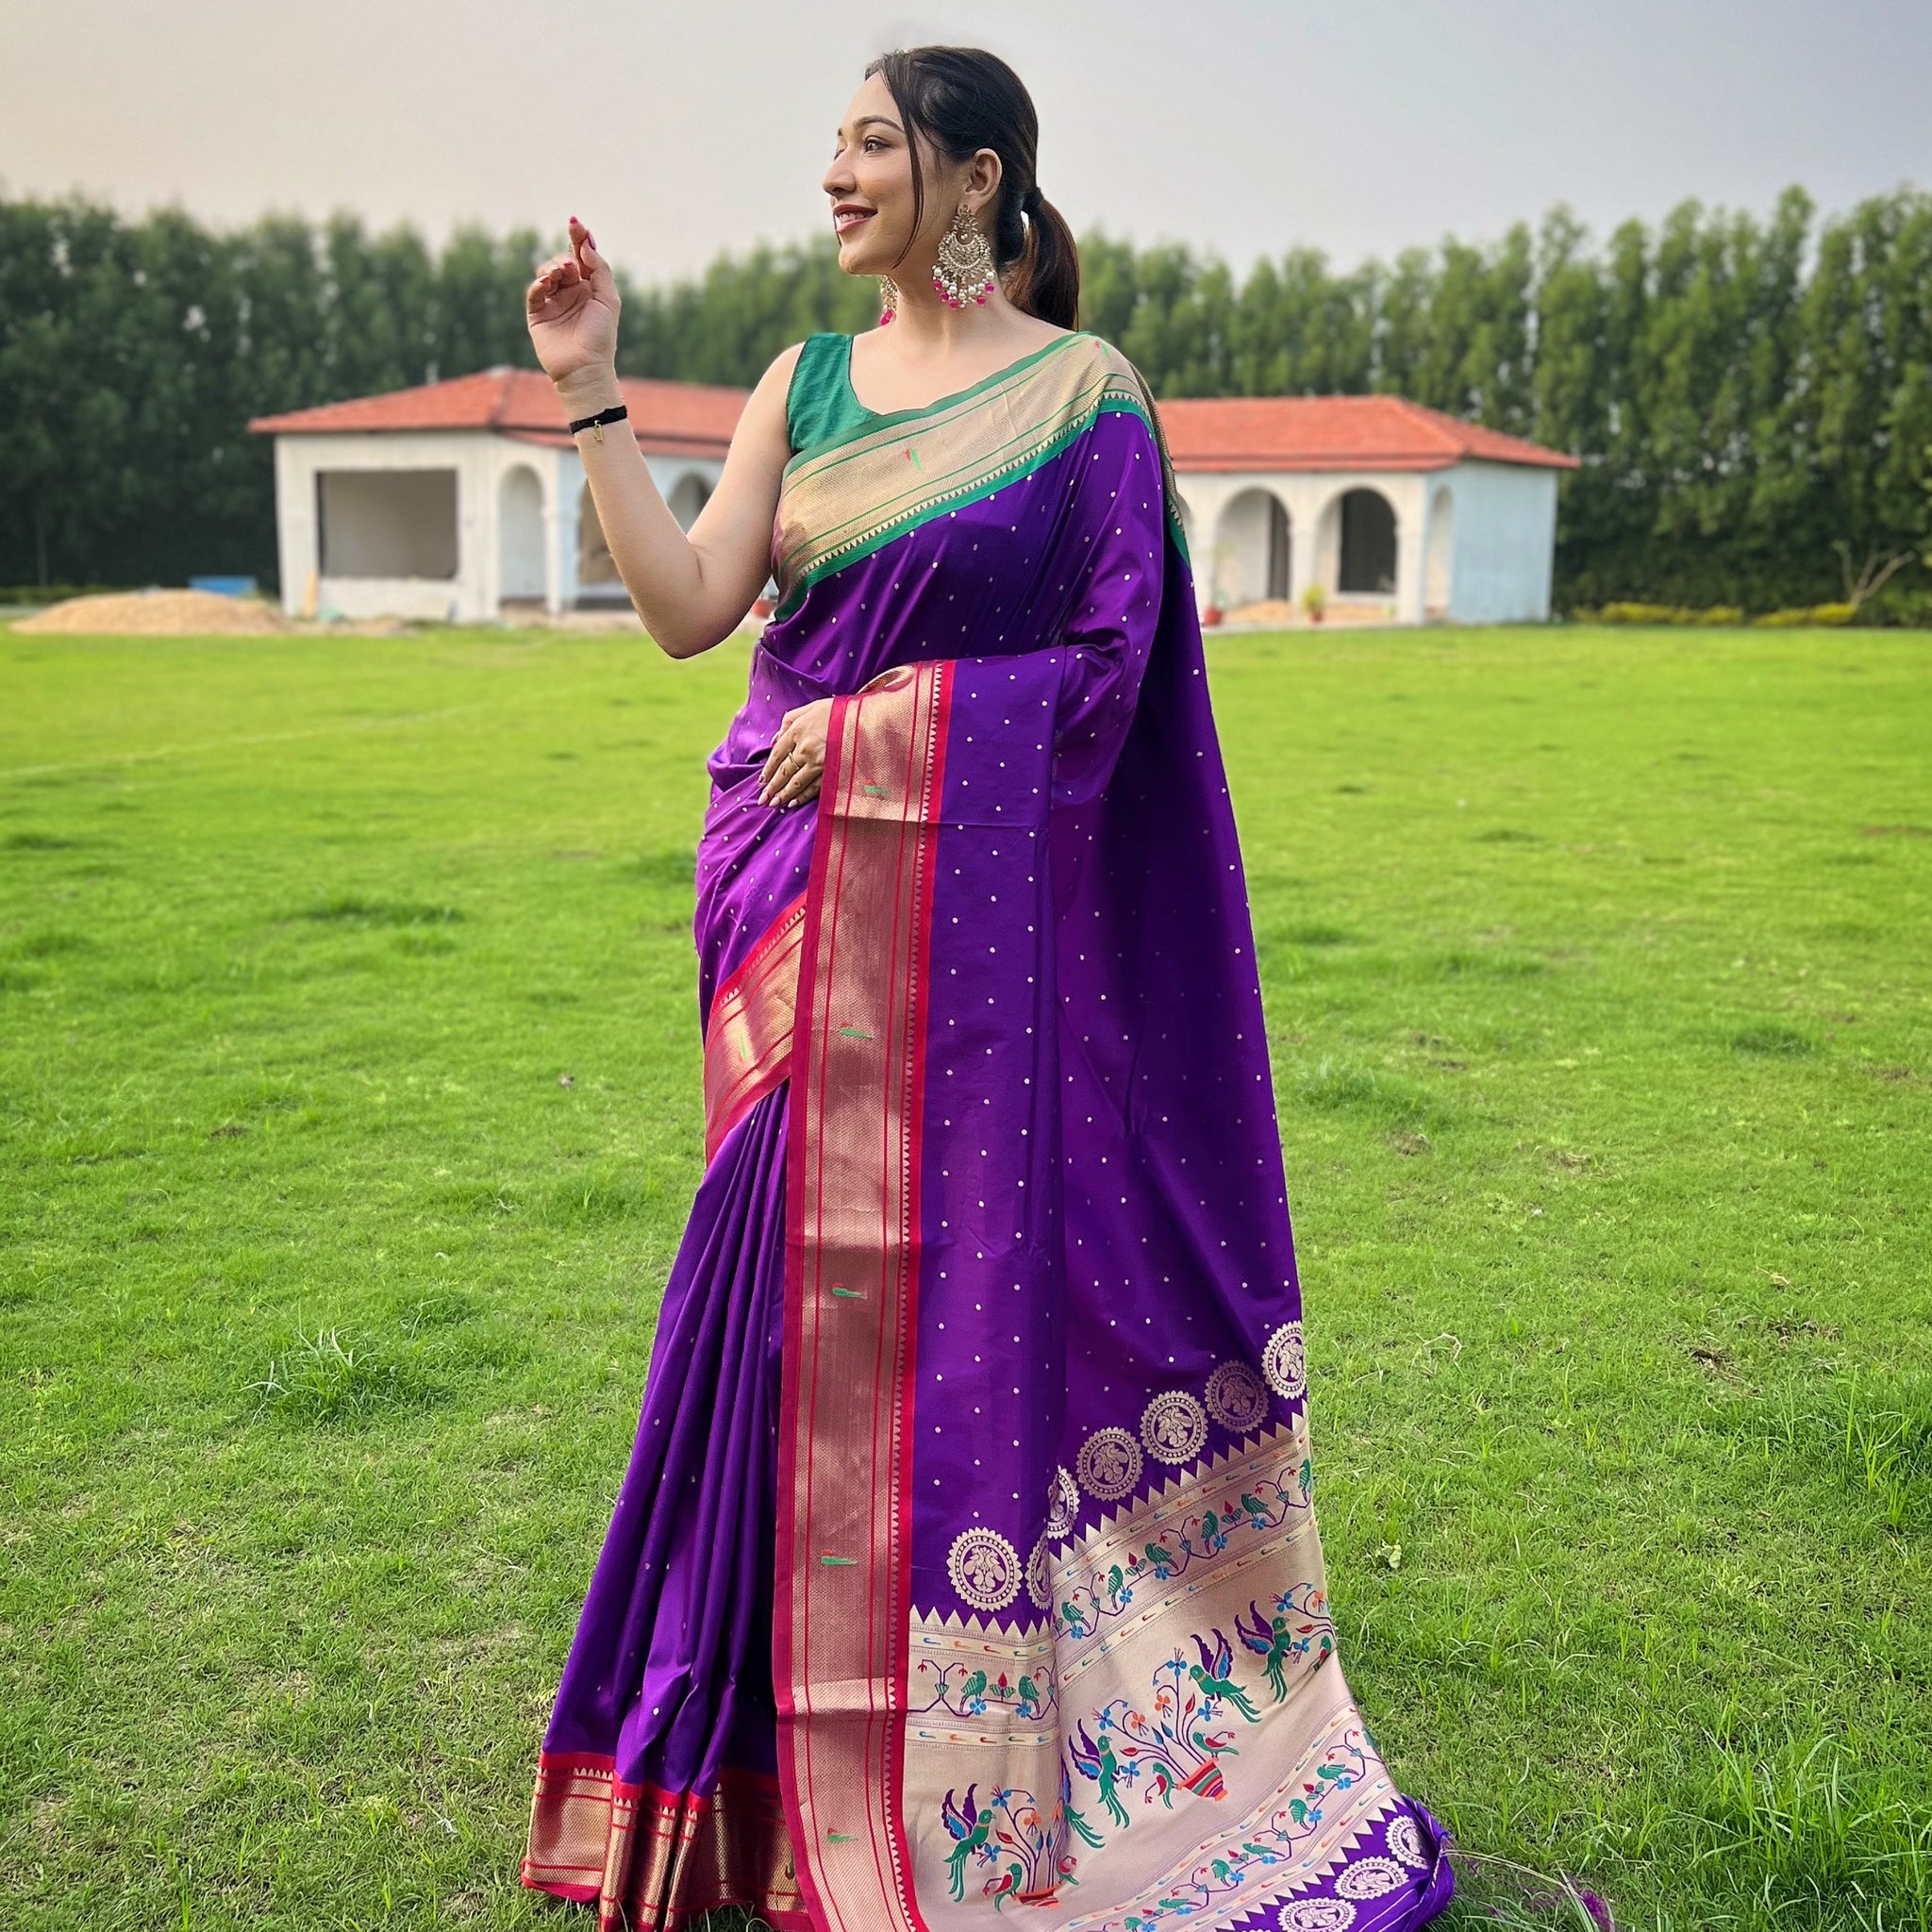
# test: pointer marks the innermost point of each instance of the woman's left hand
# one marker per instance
(797, 759)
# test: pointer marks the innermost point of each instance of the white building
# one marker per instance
(466, 499)
(1401, 514)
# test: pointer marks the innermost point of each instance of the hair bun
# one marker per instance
(1029, 202)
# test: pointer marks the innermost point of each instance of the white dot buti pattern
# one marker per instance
(1035, 738)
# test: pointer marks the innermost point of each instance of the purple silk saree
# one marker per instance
(967, 1560)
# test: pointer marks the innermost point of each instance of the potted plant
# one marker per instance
(1315, 602)
(1216, 609)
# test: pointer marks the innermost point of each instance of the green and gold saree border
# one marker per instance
(842, 501)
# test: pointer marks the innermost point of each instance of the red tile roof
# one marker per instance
(1334, 433)
(668, 418)
(697, 418)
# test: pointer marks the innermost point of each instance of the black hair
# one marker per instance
(963, 99)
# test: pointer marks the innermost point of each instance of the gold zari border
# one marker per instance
(748, 1035)
(654, 1859)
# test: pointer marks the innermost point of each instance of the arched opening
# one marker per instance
(1439, 577)
(597, 579)
(1251, 555)
(689, 495)
(520, 536)
(1367, 562)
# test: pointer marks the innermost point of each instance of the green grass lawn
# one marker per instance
(349, 1115)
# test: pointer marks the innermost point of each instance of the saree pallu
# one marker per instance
(976, 1420)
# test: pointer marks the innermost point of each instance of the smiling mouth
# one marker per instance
(846, 218)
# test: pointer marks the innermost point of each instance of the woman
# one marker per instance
(966, 1554)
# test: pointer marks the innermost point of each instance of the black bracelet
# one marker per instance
(597, 422)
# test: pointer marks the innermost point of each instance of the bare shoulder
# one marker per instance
(778, 377)
(764, 409)
(781, 365)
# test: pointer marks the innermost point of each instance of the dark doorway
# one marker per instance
(1277, 550)
(1368, 544)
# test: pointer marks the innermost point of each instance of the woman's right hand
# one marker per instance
(572, 308)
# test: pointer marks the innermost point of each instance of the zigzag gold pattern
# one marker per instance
(1119, 1540)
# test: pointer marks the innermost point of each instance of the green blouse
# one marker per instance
(819, 405)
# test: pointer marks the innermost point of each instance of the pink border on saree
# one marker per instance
(844, 1595)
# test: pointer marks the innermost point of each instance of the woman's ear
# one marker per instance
(983, 176)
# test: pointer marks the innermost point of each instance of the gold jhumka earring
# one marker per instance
(889, 299)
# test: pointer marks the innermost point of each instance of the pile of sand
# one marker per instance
(1270, 610)
(158, 614)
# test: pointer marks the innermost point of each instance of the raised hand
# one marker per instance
(572, 310)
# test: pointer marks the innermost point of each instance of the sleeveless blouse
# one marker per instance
(819, 405)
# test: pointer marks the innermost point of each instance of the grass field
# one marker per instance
(349, 1093)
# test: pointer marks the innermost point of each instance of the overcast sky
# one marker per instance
(1361, 126)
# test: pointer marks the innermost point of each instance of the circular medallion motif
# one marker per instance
(1108, 1464)
(1236, 1398)
(1404, 1837)
(1173, 1427)
(1062, 1502)
(1370, 1879)
(1038, 1577)
(984, 1569)
(1317, 1915)
(1285, 1362)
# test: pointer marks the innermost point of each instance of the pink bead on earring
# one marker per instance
(889, 299)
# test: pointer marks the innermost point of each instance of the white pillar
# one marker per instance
(553, 526)
(570, 484)
(1412, 554)
(1298, 502)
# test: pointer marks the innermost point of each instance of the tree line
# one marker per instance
(1751, 396)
